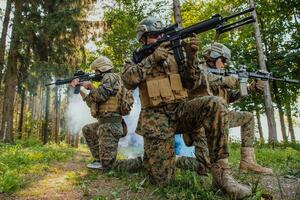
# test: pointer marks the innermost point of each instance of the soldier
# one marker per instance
(165, 110)
(103, 136)
(216, 56)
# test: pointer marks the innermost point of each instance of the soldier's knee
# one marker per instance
(85, 130)
(217, 103)
(249, 116)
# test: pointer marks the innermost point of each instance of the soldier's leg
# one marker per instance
(211, 113)
(89, 132)
(129, 165)
(109, 135)
(246, 121)
(159, 160)
(201, 163)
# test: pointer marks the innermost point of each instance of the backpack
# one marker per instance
(125, 100)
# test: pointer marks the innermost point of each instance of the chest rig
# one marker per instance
(162, 85)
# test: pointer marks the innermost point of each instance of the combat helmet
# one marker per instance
(102, 64)
(148, 25)
(217, 50)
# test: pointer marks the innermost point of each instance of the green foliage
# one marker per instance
(24, 159)
(118, 39)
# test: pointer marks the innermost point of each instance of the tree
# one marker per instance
(6, 132)
(3, 36)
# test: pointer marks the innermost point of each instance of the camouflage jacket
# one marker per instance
(153, 122)
(211, 84)
(109, 87)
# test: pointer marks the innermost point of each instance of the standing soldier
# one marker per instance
(103, 136)
(165, 110)
(216, 56)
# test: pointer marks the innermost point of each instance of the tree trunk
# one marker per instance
(280, 111)
(56, 117)
(11, 79)
(3, 36)
(267, 94)
(177, 13)
(46, 118)
(21, 117)
(290, 122)
(260, 131)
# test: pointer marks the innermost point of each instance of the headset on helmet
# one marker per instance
(148, 25)
(102, 64)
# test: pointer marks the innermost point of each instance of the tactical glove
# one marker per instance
(190, 46)
(256, 85)
(161, 53)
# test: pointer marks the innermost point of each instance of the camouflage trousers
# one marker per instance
(236, 119)
(102, 140)
(158, 127)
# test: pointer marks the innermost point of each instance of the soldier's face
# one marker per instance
(220, 63)
(150, 39)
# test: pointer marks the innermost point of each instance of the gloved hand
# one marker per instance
(190, 46)
(161, 53)
(257, 85)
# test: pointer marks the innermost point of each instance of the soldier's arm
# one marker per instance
(234, 95)
(102, 93)
(192, 73)
(133, 74)
(223, 81)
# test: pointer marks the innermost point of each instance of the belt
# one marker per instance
(105, 120)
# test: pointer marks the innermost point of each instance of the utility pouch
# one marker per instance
(176, 86)
(153, 92)
(165, 90)
(94, 109)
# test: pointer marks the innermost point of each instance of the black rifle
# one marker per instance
(243, 75)
(175, 35)
(82, 76)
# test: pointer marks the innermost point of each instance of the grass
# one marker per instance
(22, 161)
(19, 162)
(284, 159)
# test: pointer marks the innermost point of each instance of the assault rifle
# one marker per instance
(82, 76)
(175, 35)
(243, 75)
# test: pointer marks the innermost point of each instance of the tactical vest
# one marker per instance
(204, 89)
(162, 85)
(111, 105)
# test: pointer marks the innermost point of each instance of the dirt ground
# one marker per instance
(58, 183)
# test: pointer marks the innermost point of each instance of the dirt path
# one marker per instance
(71, 180)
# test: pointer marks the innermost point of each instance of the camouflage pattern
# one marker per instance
(159, 124)
(102, 138)
(109, 87)
(109, 135)
(130, 165)
(246, 121)
(89, 132)
(102, 64)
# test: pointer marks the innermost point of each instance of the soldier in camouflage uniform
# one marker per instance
(103, 136)
(165, 110)
(215, 57)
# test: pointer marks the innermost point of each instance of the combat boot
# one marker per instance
(248, 162)
(96, 164)
(224, 180)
